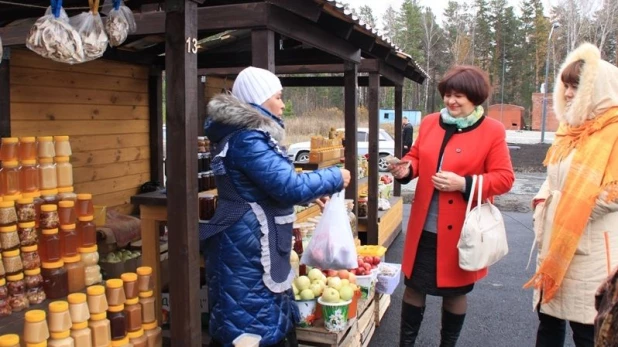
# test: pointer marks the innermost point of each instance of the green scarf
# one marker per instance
(462, 122)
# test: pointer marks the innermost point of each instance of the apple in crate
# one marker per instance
(346, 293)
(315, 274)
(302, 283)
(307, 294)
(334, 282)
(331, 295)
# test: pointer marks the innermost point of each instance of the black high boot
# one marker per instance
(451, 327)
(411, 318)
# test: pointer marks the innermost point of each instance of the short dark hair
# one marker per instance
(405, 117)
(571, 72)
(468, 80)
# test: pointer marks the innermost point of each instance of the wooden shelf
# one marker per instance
(315, 166)
(389, 222)
(311, 211)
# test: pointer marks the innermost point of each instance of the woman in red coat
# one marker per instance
(452, 145)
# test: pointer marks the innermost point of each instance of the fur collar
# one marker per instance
(227, 109)
(597, 90)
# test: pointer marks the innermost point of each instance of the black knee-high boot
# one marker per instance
(411, 318)
(451, 327)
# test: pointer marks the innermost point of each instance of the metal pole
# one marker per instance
(544, 117)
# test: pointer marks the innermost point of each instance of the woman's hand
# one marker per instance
(400, 169)
(345, 174)
(322, 202)
(446, 181)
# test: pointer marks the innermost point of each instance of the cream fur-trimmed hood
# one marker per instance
(597, 90)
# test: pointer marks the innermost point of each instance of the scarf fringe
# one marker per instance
(544, 283)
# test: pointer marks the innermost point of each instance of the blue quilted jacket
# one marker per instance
(248, 241)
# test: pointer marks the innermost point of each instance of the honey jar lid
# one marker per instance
(135, 334)
(46, 160)
(33, 272)
(96, 290)
(34, 316)
(45, 138)
(68, 189)
(132, 301)
(129, 277)
(32, 248)
(2, 282)
(79, 326)
(67, 227)
(6, 204)
(113, 283)
(49, 231)
(85, 218)
(40, 344)
(8, 228)
(16, 277)
(62, 159)
(10, 140)
(76, 298)
(9, 340)
(13, 197)
(52, 265)
(146, 294)
(98, 316)
(61, 138)
(66, 203)
(121, 342)
(33, 195)
(90, 249)
(144, 270)
(84, 196)
(72, 259)
(25, 200)
(28, 162)
(116, 308)
(9, 163)
(49, 208)
(12, 253)
(61, 335)
(27, 139)
(58, 306)
(150, 326)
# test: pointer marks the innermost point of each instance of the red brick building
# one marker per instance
(512, 116)
(551, 123)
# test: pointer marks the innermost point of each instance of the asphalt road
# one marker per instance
(499, 310)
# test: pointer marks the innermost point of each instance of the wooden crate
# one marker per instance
(383, 301)
(319, 336)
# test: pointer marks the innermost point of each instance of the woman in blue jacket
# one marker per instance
(248, 241)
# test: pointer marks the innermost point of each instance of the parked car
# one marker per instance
(299, 152)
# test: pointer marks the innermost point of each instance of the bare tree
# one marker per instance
(432, 34)
(605, 23)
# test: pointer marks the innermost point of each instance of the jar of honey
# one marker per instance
(75, 273)
(49, 250)
(9, 340)
(50, 196)
(8, 148)
(66, 212)
(55, 279)
(69, 242)
(29, 176)
(10, 177)
(48, 176)
(62, 146)
(84, 205)
(46, 147)
(64, 171)
(86, 231)
(66, 194)
(27, 148)
(35, 327)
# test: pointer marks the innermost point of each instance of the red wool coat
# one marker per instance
(481, 149)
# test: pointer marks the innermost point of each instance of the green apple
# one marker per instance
(334, 282)
(346, 293)
(320, 282)
(307, 294)
(302, 283)
(345, 282)
(330, 295)
(294, 257)
(297, 297)
(296, 291)
(316, 288)
(315, 274)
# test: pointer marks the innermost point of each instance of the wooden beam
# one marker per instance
(305, 9)
(395, 76)
(380, 51)
(337, 26)
(363, 41)
(124, 56)
(336, 81)
(351, 144)
(373, 150)
(155, 124)
(298, 28)
(263, 49)
(398, 131)
(366, 65)
(288, 57)
(414, 75)
(397, 61)
(181, 24)
(5, 93)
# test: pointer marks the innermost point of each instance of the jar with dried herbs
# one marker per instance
(17, 292)
(27, 234)
(9, 237)
(36, 198)
(4, 291)
(25, 209)
(30, 257)
(2, 271)
(12, 262)
(49, 217)
(50, 196)
(8, 215)
(33, 278)
(36, 295)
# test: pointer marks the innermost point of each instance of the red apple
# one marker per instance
(343, 274)
(376, 260)
(354, 271)
(367, 267)
(332, 273)
(360, 262)
(368, 259)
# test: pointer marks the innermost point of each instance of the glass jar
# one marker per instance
(64, 171)
(50, 196)
(46, 147)
(76, 273)
(9, 340)
(5, 308)
(86, 231)
(12, 262)
(8, 215)
(123, 342)
(17, 292)
(114, 291)
(30, 257)
(68, 240)
(49, 217)
(48, 176)
(129, 280)
(4, 292)
(66, 194)
(81, 334)
(138, 338)
(10, 177)
(133, 314)
(29, 176)
(36, 198)
(55, 279)
(8, 149)
(50, 246)
(147, 301)
(362, 205)
(66, 212)
(35, 327)
(100, 327)
(93, 275)
(62, 146)
(78, 307)
(35, 295)
(145, 281)
(2, 271)
(90, 255)
(117, 320)
(59, 317)
(83, 206)
(97, 302)
(27, 148)
(26, 212)
(153, 333)
(9, 237)
(207, 206)
(34, 286)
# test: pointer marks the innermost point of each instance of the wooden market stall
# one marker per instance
(112, 109)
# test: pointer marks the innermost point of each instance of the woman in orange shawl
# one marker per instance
(576, 212)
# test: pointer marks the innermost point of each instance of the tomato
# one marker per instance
(376, 260)
(368, 259)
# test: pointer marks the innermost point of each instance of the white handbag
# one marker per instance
(483, 236)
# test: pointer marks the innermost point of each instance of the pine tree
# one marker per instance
(482, 35)
(366, 15)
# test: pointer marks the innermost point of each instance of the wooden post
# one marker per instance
(5, 93)
(374, 126)
(263, 49)
(181, 69)
(155, 124)
(398, 129)
(350, 77)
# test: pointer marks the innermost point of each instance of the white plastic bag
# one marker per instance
(90, 27)
(120, 21)
(332, 245)
(53, 37)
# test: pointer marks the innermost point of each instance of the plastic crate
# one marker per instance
(386, 284)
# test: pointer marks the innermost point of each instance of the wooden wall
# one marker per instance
(102, 106)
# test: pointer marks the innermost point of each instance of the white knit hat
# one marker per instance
(255, 85)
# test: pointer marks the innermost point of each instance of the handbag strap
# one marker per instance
(469, 207)
(479, 186)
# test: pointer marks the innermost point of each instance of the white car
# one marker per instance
(299, 152)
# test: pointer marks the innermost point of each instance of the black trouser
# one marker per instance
(288, 341)
(552, 332)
